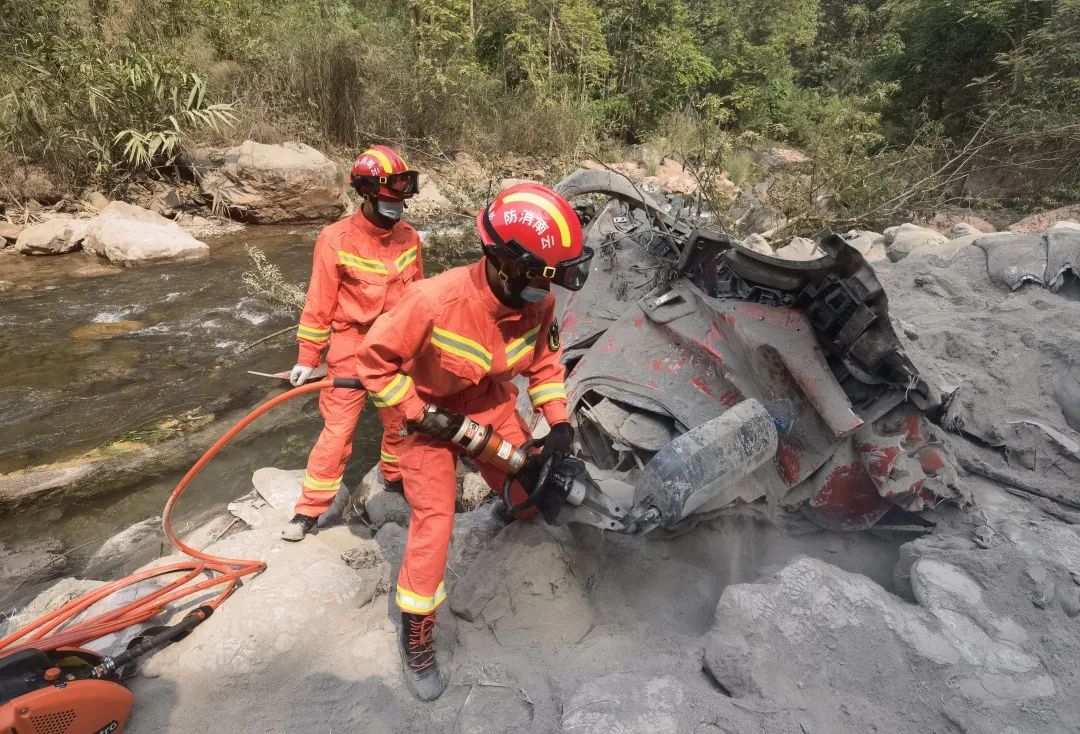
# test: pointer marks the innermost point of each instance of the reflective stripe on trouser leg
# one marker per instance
(505, 419)
(389, 464)
(430, 478)
(340, 408)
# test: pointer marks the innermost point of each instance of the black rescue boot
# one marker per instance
(417, 646)
(298, 527)
(391, 485)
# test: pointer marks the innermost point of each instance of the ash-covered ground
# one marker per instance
(735, 625)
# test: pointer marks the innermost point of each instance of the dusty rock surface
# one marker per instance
(904, 239)
(871, 245)
(824, 650)
(1044, 220)
(128, 235)
(800, 248)
(269, 184)
(9, 232)
(52, 237)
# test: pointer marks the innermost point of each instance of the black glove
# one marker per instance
(437, 422)
(558, 441)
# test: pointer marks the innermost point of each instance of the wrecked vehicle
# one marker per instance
(703, 375)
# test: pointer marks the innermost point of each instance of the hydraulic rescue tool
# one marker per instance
(688, 476)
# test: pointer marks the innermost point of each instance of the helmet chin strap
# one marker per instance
(518, 293)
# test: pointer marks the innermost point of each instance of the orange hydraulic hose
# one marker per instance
(42, 633)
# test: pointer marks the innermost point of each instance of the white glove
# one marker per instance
(299, 375)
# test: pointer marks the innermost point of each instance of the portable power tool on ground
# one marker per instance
(69, 690)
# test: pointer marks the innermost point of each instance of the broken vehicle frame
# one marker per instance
(702, 375)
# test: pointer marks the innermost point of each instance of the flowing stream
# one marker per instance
(94, 352)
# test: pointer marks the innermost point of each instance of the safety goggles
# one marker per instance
(405, 183)
(569, 274)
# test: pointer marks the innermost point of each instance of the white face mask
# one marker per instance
(533, 295)
(390, 209)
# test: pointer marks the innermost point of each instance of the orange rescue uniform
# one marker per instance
(450, 342)
(359, 271)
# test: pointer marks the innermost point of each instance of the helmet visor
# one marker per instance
(405, 183)
(569, 274)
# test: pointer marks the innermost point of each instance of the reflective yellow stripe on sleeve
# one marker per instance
(518, 348)
(405, 259)
(312, 333)
(393, 393)
(545, 392)
(321, 485)
(361, 263)
(387, 457)
(453, 343)
(414, 603)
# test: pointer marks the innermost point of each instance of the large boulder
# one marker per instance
(272, 183)
(9, 232)
(52, 237)
(1044, 220)
(128, 235)
(901, 241)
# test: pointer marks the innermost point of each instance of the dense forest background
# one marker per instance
(898, 102)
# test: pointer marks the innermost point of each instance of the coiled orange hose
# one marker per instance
(55, 630)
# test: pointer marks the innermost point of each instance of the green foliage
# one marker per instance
(882, 91)
(90, 113)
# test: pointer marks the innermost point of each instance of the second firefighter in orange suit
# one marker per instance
(360, 269)
(456, 341)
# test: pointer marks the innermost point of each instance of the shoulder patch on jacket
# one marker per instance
(553, 336)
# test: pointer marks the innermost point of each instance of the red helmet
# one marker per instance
(379, 171)
(532, 226)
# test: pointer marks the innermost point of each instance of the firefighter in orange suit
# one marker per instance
(361, 267)
(453, 343)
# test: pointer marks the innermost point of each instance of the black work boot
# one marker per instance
(298, 527)
(417, 646)
(388, 485)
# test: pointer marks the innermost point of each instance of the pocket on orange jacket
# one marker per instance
(368, 290)
(466, 369)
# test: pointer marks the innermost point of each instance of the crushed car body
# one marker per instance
(703, 375)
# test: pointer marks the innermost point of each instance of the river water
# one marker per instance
(92, 352)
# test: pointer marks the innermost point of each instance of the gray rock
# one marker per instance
(520, 582)
(18, 566)
(50, 599)
(901, 241)
(757, 243)
(52, 237)
(1066, 225)
(1069, 597)
(9, 232)
(871, 245)
(812, 629)
(138, 544)
(96, 201)
(963, 229)
(1041, 585)
(474, 491)
(6, 285)
(626, 703)
(166, 201)
(800, 249)
(128, 235)
(272, 183)
(384, 507)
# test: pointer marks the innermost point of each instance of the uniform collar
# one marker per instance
(384, 236)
